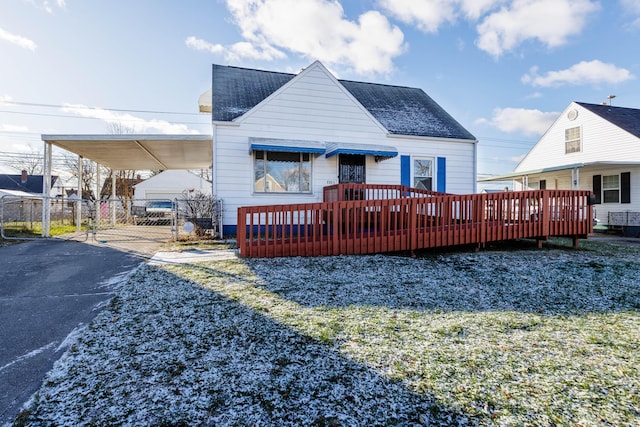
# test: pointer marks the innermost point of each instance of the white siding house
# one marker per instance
(589, 147)
(170, 184)
(280, 138)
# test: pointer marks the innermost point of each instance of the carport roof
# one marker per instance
(139, 151)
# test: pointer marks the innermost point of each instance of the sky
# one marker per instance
(505, 69)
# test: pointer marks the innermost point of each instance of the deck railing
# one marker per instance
(344, 192)
(416, 221)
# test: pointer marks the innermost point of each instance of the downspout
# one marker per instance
(475, 167)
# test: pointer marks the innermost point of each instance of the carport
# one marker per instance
(126, 152)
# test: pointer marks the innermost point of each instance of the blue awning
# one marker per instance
(378, 151)
(286, 145)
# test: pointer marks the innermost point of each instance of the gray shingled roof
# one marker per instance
(401, 110)
(33, 184)
(625, 118)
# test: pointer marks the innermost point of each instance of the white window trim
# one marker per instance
(579, 150)
(603, 189)
(434, 172)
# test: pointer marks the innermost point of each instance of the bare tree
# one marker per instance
(31, 162)
(89, 174)
(125, 179)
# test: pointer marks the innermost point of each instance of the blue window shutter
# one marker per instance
(405, 170)
(442, 174)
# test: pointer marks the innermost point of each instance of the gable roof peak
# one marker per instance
(401, 110)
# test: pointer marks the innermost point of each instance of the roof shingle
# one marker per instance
(625, 118)
(401, 110)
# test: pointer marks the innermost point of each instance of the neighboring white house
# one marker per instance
(589, 147)
(280, 138)
(170, 184)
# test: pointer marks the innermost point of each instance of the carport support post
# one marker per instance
(79, 199)
(98, 213)
(112, 199)
(46, 191)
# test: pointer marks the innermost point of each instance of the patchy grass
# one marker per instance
(499, 337)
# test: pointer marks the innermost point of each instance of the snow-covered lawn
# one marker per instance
(518, 336)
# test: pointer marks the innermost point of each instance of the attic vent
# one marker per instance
(572, 115)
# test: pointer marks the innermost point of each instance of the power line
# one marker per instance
(78, 107)
(90, 118)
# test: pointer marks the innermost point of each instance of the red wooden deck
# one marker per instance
(365, 219)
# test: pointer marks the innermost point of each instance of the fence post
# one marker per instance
(545, 214)
(413, 220)
(242, 232)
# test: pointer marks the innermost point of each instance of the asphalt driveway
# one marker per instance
(50, 290)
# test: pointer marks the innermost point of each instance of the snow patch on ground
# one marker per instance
(518, 337)
(72, 337)
(191, 256)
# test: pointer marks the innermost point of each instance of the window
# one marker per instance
(280, 172)
(423, 174)
(611, 188)
(572, 140)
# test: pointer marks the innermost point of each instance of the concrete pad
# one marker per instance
(191, 256)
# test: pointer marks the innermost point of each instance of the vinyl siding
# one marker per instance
(601, 141)
(315, 107)
(586, 183)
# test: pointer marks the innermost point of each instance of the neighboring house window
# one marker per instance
(423, 174)
(611, 188)
(280, 172)
(572, 140)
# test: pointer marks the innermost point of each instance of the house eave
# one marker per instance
(431, 138)
(514, 175)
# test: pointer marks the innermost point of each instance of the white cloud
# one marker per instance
(13, 128)
(46, 5)
(129, 121)
(236, 51)
(551, 22)
(19, 41)
(429, 15)
(426, 15)
(632, 8)
(505, 24)
(527, 122)
(474, 9)
(582, 73)
(314, 29)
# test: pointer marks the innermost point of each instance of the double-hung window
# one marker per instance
(281, 172)
(572, 140)
(423, 174)
(611, 188)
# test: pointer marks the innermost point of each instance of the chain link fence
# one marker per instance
(21, 218)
